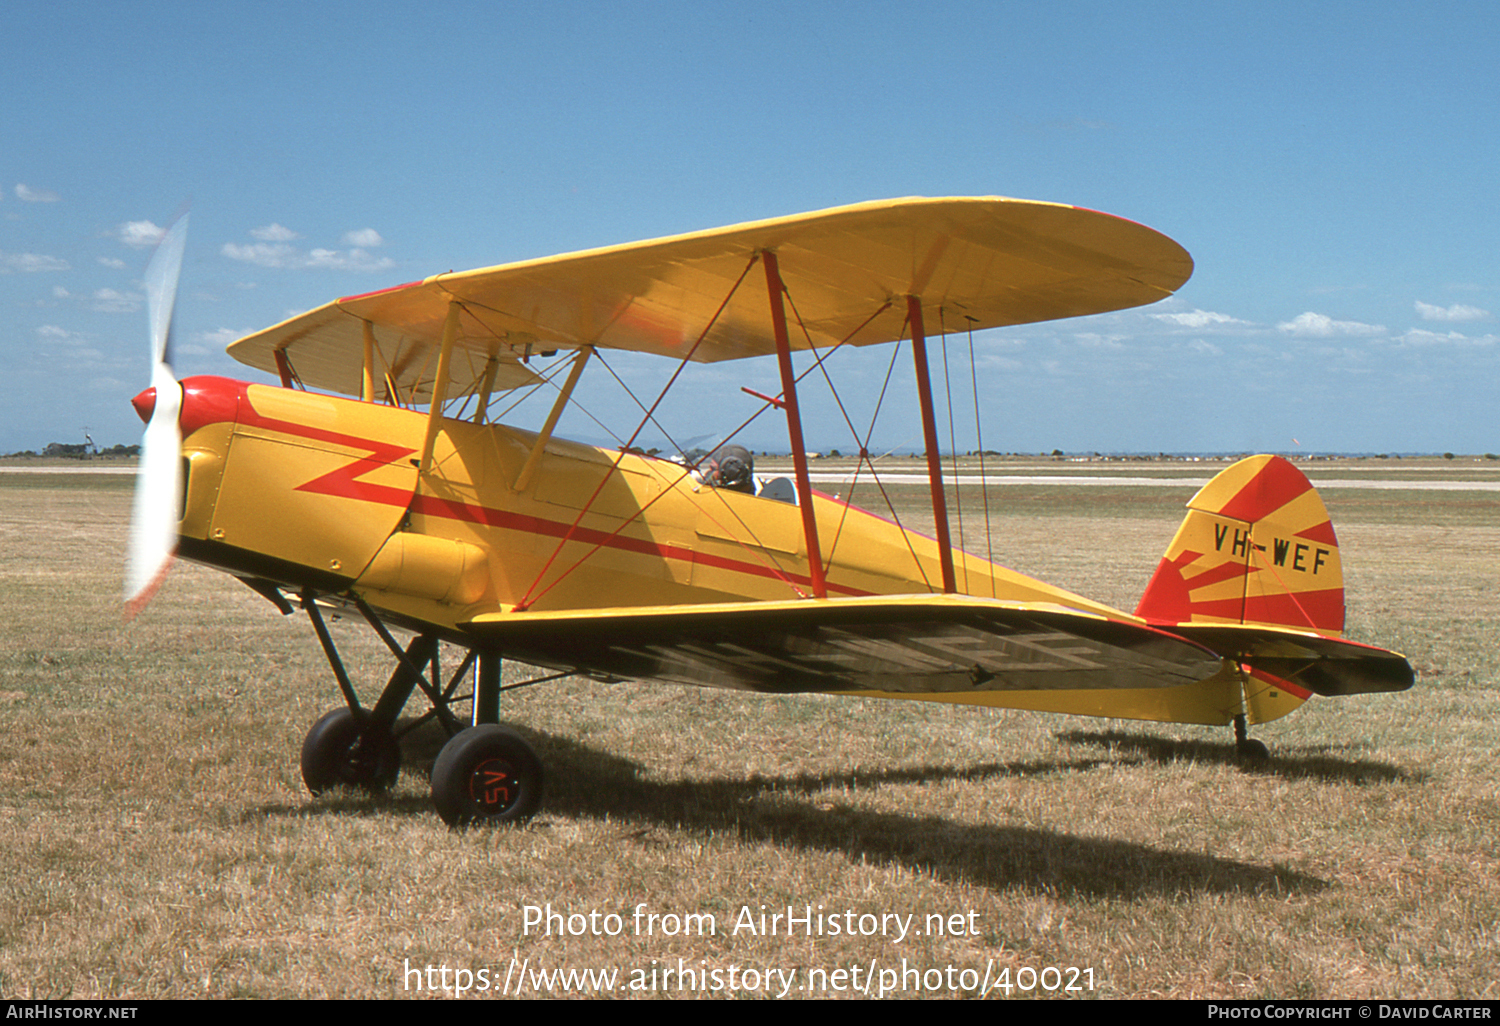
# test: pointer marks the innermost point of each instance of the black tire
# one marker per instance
(344, 750)
(487, 774)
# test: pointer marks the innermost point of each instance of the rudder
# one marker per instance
(1256, 547)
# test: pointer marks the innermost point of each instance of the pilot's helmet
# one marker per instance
(731, 466)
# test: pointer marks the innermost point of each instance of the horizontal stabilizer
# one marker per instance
(1325, 666)
(910, 644)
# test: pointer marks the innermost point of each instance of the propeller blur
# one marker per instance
(158, 486)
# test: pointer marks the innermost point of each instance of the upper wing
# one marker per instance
(975, 263)
(907, 644)
(326, 347)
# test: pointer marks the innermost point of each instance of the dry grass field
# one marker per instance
(159, 842)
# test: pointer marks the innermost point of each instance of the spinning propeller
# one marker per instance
(158, 480)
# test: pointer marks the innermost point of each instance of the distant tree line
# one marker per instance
(79, 451)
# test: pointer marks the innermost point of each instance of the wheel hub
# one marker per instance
(494, 785)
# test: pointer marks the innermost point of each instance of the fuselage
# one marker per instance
(313, 490)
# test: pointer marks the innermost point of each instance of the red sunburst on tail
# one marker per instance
(1256, 547)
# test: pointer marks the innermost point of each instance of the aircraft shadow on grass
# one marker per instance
(799, 811)
(1312, 763)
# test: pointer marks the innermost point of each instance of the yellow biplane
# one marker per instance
(407, 503)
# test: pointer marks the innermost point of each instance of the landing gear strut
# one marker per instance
(486, 773)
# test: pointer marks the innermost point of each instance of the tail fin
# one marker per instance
(1254, 574)
(1257, 548)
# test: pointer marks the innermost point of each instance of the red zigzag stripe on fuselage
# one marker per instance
(344, 482)
(431, 505)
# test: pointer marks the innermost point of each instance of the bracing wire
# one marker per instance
(958, 493)
(527, 599)
(984, 481)
(865, 442)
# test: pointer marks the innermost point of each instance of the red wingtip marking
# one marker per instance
(379, 292)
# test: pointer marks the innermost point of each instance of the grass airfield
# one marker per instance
(161, 844)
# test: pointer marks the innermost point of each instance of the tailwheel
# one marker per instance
(487, 774)
(348, 749)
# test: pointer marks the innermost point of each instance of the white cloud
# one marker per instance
(79, 352)
(1456, 312)
(1422, 338)
(220, 337)
(1316, 325)
(262, 254)
(281, 255)
(367, 238)
(139, 234)
(30, 195)
(996, 362)
(1198, 319)
(28, 263)
(351, 260)
(112, 301)
(114, 262)
(274, 233)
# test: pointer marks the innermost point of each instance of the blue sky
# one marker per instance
(1331, 167)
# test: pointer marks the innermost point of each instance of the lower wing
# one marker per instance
(906, 644)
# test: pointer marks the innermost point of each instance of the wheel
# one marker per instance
(343, 749)
(487, 774)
